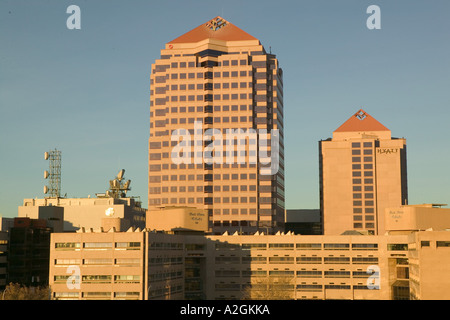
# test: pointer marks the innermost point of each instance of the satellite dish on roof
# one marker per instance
(109, 212)
(120, 174)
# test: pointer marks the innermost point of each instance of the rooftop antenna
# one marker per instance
(53, 174)
(118, 187)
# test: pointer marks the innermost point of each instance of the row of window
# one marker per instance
(209, 75)
(100, 278)
(365, 144)
(206, 86)
(439, 244)
(98, 245)
(233, 211)
(299, 287)
(191, 109)
(298, 260)
(357, 152)
(207, 200)
(225, 63)
(299, 246)
(359, 225)
(365, 159)
(166, 261)
(368, 203)
(208, 189)
(200, 177)
(225, 96)
(120, 261)
(95, 295)
(166, 276)
(359, 173)
(208, 120)
(291, 273)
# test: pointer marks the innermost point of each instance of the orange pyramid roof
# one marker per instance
(361, 121)
(217, 28)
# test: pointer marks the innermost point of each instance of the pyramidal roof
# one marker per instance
(217, 28)
(361, 121)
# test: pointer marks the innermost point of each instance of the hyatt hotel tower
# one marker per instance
(209, 83)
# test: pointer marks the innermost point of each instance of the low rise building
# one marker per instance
(71, 214)
(181, 264)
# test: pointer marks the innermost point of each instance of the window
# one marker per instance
(309, 246)
(96, 279)
(337, 274)
(281, 260)
(284, 246)
(424, 244)
(127, 279)
(97, 261)
(364, 260)
(97, 245)
(309, 274)
(337, 286)
(128, 262)
(398, 247)
(257, 246)
(309, 260)
(441, 244)
(364, 246)
(336, 246)
(338, 260)
(309, 287)
(66, 262)
(128, 245)
(67, 246)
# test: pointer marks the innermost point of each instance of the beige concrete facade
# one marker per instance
(362, 172)
(224, 79)
(71, 214)
(168, 218)
(417, 218)
(317, 267)
(404, 263)
(429, 265)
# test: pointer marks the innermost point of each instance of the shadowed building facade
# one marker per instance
(212, 79)
(362, 172)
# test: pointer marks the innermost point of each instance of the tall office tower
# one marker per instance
(362, 172)
(211, 80)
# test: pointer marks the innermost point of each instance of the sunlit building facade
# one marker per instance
(362, 172)
(212, 79)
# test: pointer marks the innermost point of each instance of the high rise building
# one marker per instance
(216, 115)
(362, 172)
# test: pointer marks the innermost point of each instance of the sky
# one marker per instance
(86, 92)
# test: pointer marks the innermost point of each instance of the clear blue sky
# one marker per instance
(86, 92)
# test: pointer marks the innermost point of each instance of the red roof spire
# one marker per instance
(217, 28)
(361, 121)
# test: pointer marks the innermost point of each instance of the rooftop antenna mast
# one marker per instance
(118, 187)
(53, 174)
